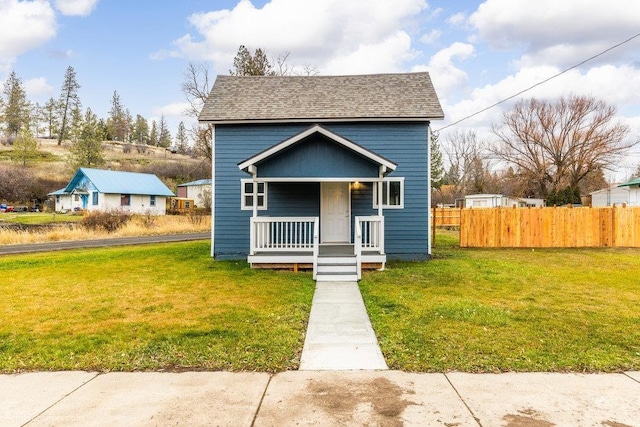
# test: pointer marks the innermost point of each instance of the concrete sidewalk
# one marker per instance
(319, 398)
(339, 334)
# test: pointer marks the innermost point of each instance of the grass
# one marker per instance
(139, 225)
(35, 218)
(152, 307)
(493, 310)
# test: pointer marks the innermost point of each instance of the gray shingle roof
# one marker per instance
(408, 96)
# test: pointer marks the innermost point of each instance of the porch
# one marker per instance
(294, 243)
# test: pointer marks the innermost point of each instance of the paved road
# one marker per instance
(99, 243)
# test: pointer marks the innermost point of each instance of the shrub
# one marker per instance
(107, 221)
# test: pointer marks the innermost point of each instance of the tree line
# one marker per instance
(557, 150)
(64, 119)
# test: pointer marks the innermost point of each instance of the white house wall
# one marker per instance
(139, 204)
(614, 196)
(196, 192)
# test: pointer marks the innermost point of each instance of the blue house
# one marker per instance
(322, 172)
(107, 190)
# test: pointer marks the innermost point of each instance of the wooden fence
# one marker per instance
(564, 227)
(446, 217)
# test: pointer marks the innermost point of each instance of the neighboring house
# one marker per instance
(199, 191)
(498, 200)
(612, 196)
(65, 201)
(105, 190)
(634, 191)
(306, 167)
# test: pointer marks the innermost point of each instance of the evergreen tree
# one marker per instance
(140, 130)
(25, 147)
(117, 122)
(164, 136)
(68, 100)
(437, 166)
(50, 118)
(153, 134)
(16, 109)
(182, 140)
(246, 64)
(86, 150)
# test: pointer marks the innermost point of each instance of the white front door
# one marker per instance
(335, 212)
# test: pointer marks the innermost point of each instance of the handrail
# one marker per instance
(288, 234)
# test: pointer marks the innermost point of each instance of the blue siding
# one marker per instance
(317, 157)
(406, 144)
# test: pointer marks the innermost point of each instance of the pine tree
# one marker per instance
(153, 134)
(182, 140)
(117, 122)
(25, 147)
(50, 117)
(164, 136)
(140, 130)
(86, 150)
(437, 166)
(16, 109)
(246, 64)
(68, 100)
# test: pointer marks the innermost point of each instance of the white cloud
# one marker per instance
(76, 7)
(38, 87)
(318, 33)
(23, 26)
(431, 37)
(447, 77)
(557, 32)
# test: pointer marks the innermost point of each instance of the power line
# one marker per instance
(539, 83)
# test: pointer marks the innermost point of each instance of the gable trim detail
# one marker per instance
(249, 164)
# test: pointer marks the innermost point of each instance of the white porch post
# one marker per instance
(252, 225)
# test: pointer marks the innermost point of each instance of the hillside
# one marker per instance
(51, 170)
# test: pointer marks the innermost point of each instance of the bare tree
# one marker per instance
(469, 168)
(558, 144)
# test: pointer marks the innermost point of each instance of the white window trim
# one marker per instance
(386, 182)
(243, 195)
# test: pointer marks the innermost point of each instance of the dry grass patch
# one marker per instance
(67, 227)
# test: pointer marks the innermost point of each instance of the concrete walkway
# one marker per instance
(339, 334)
(319, 398)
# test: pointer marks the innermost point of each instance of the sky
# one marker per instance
(477, 52)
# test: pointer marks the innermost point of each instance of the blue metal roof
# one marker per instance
(117, 182)
(59, 192)
(198, 182)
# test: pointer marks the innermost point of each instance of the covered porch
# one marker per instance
(313, 202)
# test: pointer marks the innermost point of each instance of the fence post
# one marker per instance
(433, 227)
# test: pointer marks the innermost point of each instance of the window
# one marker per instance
(152, 200)
(94, 198)
(125, 200)
(392, 193)
(247, 194)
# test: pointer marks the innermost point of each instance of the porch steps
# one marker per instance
(337, 269)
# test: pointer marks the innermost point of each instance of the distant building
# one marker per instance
(612, 196)
(105, 190)
(499, 200)
(199, 191)
(634, 191)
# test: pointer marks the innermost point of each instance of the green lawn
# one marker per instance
(508, 310)
(149, 308)
(172, 307)
(34, 218)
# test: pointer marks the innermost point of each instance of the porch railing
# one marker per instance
(283, 234)
(369, 236)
